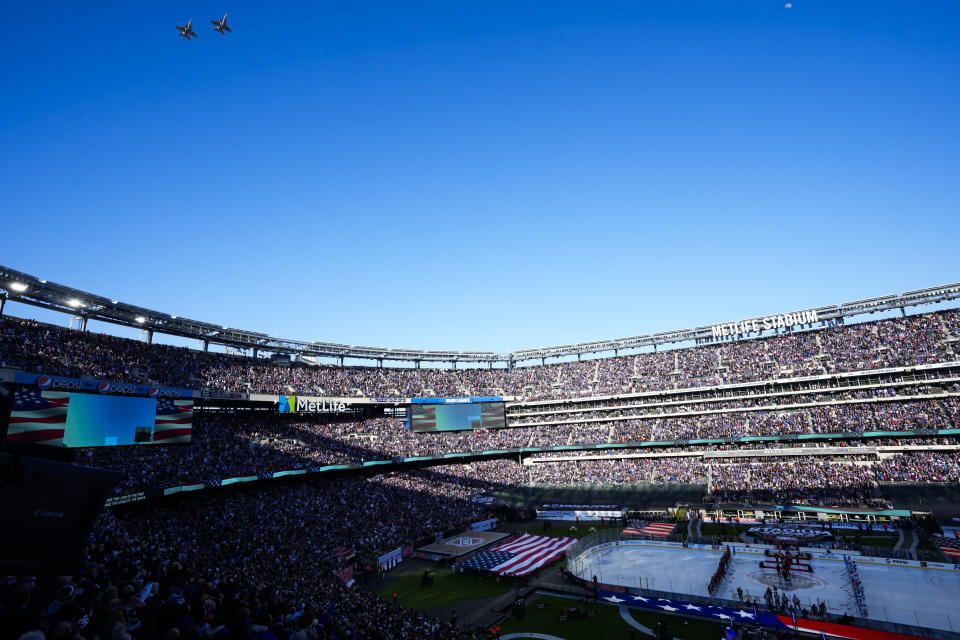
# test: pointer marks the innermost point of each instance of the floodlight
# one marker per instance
(141, 319)
(19, 287)
(73, 302)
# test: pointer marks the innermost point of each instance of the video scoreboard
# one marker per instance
(455, 414)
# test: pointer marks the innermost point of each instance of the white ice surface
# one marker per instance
(911, 595)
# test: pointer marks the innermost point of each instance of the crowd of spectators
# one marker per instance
(232, 444)
(260, 565)
(849, 480)
(918, 339)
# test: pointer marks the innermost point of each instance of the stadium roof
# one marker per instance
(29, 289)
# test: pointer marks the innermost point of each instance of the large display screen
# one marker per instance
(65, 419)
(106, 421)
(457, 417)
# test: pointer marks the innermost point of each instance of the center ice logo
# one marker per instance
(464, 541)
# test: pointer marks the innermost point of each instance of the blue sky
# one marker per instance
(485, 175)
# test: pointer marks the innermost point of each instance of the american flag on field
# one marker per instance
(520, 556)
(950, 547)
(659, 529)
(38, 416)
(174, 421)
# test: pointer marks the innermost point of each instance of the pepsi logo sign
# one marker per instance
(44, 382)
(103, 387)
(152, 392)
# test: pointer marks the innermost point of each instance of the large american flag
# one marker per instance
(174, 421)
(519, 556)
(659, 529)
(949, 546)
(38, 416)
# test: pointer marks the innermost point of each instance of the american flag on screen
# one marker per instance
(425, 418)
(520, 556)
(174, 421)
(38, 416)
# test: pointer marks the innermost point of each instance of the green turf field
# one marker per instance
(607, 624)
(447, 590)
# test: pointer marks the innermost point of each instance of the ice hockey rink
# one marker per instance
(906, 594)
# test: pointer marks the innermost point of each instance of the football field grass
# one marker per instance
(448, 588)
(606, 624)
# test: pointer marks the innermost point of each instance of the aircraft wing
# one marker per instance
(228, 28)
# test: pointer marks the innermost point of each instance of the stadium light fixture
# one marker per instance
(73, 302)
(19, 287)
(140, 319)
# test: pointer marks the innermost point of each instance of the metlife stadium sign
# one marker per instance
(756, 325)
(300, 404)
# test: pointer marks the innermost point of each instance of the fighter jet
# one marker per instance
(187, 31)
(221, 26)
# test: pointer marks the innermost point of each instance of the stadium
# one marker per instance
(480, 320)
(792, 466)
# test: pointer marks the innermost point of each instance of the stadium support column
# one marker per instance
(83, 324)
(379, 363)
(149, 336)
(3, 302)
(206, 346)
(454, 364)
(417, 363)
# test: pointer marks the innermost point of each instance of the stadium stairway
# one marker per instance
(908, 542)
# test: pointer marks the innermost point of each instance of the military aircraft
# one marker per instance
(187, 31)
(221, 26)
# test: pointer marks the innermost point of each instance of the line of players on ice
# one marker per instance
(779, 601)
(856, 584)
